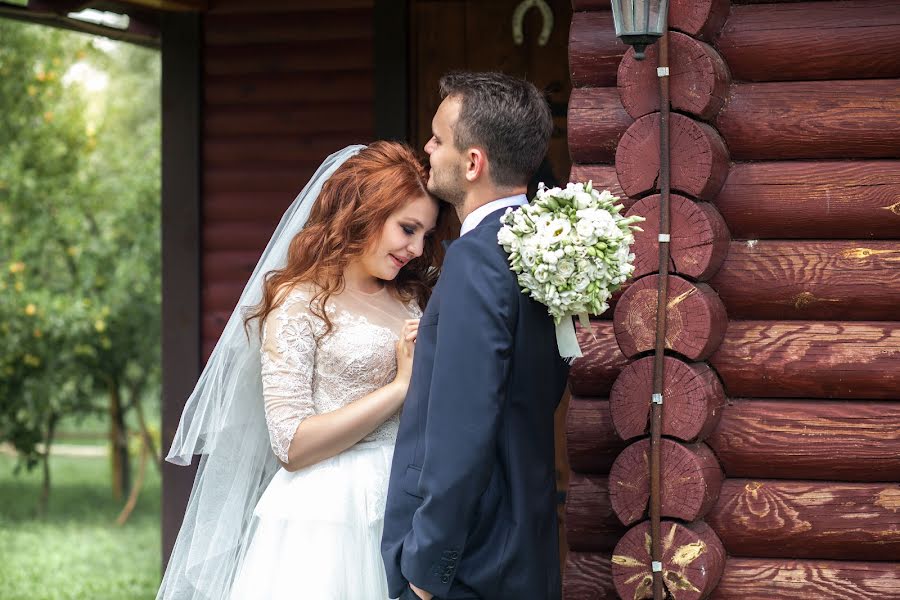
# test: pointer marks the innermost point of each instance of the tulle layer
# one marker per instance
(316, 533)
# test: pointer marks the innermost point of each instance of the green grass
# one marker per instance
(76, 551)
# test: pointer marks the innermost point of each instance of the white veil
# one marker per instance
(224, 421)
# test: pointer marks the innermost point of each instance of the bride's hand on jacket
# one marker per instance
(406, 347)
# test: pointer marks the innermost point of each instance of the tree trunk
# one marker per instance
(45, 486)
(118, 439)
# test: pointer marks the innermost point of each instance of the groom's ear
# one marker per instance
(476, 164)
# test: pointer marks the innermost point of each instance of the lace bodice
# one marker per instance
(305, 372)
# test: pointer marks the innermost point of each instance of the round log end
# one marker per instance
(693, 561)
(691, 480)
(693, 399)
(695, 318)
(699, 237)
(699, 158)
(698, 83)
(700, 18)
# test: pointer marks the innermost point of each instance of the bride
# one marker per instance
(296, 412)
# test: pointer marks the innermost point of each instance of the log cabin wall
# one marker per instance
(781, 418)
(286, 83)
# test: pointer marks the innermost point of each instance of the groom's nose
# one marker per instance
(429, 146)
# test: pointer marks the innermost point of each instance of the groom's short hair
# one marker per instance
(507, 117)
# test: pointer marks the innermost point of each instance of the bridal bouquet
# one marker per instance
(570, 249)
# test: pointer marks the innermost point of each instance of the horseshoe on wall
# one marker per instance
(519, 16)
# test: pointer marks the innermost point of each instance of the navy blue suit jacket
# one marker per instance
(471, 509)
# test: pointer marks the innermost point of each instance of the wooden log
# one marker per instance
(315, 56)
(250, 236)
(589, 576)
(284, 6)
(591, 440)
(266, 207)
(596, 121)
(268, 28)
(771, 518)
(698, 85)
(808, 439)
(221, 296)
(693, 561)
(581, 5)
(594, 49)
(811, 119)
(271, 151)
(798, 519)
(809, 359)
(693, 403)
(699, 159)
(229, 265)
(591, 494)
(290, 119)
(604, 177)
(691, 480)
(854, 39)
(699, 237)
(811, 199)
(699, 18)
(282, 180)
(695, 318)
(594, 374)
(849, 280)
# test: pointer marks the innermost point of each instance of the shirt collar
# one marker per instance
(476, 216)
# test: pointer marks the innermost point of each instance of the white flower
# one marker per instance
(565, 268)
(506, 237)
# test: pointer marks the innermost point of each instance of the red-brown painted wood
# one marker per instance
(268, 28)
(699, 237)
(260, 90)
(811, 199)
(699, 158)
(588, 576)
(289, 119)
(853, 39)
(590, 504)
(698, 18)
(604, 177)
(596, 121)
(594, 49)
(271, 151)
(595, 372)
(810, 359)
(693, 399)
(698, 84)
(690, 475)
(811, 119)
(800, 519)
(591, 439)
(695, 318)
(693, 561)
(304, 56)
(850, 280)
(808, 439)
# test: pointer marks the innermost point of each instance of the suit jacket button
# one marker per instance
(454, 555)
(445, 579)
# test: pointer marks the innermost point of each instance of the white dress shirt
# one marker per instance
(476, 216)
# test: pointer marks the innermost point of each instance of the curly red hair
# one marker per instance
(346, 220)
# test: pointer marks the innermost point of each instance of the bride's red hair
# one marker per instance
(346, 219)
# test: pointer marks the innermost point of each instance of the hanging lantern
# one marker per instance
(639, 23)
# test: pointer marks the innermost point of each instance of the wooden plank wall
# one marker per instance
(286, 83)
(782, 399)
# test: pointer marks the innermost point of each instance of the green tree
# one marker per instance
(79, 209)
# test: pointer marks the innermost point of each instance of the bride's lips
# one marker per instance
(399, 263)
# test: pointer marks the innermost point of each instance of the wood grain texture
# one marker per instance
(699, 158)
(810, 359)
(695, 318)
(596, 121)
(699, 237)
(604, 177)
(588, 576)
(692, 560)
(698, 84)
(853, 39)
(849, 280)
(812, 119)
(591, 439)
(588, 503)
(809, 439)
(594, 49)
(594, 374)
(690, 481)
(693, 403)
(812, 199)
(799, 519)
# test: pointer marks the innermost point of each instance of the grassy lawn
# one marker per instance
(76, 551)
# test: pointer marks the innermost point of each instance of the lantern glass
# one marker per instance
(639, 22)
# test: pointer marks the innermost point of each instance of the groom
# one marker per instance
(471, 509)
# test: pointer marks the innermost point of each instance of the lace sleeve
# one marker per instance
(288, 360)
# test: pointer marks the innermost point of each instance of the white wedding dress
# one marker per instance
(316, 532)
